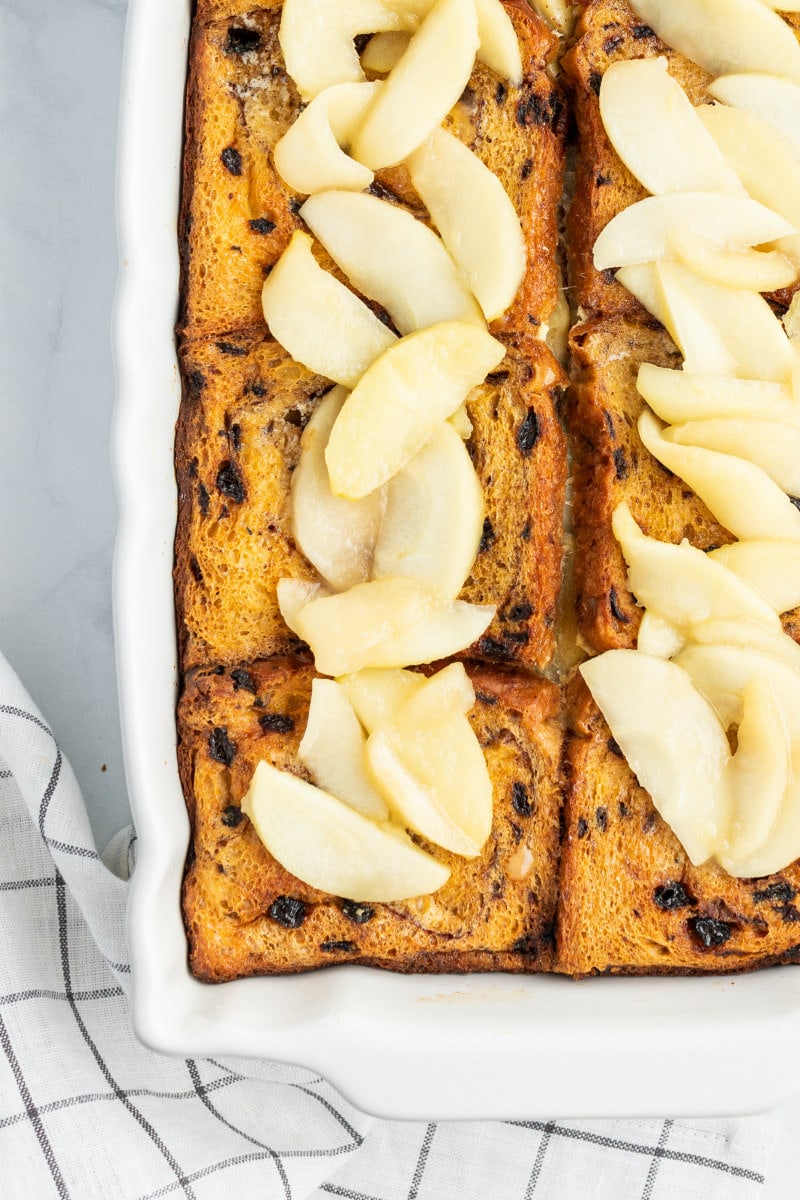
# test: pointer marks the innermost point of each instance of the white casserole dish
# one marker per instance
(480, 1046)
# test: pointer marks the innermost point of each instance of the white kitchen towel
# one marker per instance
(86, 1112)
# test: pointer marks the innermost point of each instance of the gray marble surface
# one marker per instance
(59, 80)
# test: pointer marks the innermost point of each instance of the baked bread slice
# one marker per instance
(609, 31)
(630, 902)
(246, 915)
(237, 215)
(245, 406)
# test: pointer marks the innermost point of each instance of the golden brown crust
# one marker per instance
(238, 216)
(245, 405)
(611, 466)
(482, 919)
(630, 902)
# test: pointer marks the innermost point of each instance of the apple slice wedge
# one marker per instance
(658, 134)
(309, 157)
(771, 565)
(376, 694)
(774, 100)
(724, 35)
(422, 88)
(294, 594)
(474, 214)
(749, 635)
(741, 495)
(329, 846)
(677, 396)
(333, 750)
(433, 522)
(387, 623)
(722, 673)
(772, 445)
(336, 535)
(641, 232)
(744, 270)
(683, 585)
(672, 739)
(321, 323)
(401, 400)
(391, 257)
(383, 52)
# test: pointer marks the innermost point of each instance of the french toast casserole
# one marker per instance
(487, 565)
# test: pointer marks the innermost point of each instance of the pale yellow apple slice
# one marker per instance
(559, 14)
(329, 846)
(762, 161)
(321, 323)
(473, 213)
(772, 445)
(750, 635)
(433, 522)
(771, 565)
(422, 88)
(782, 847)
(657, 133)
(724, 35)
(446, 694)
(671, 738)
(294, 594)
(391, 257)
(657, 636)
(461, 422)
(376, 694)
(434, 776)
(336, 535)
(387, 623)
(333, 750)
(309, 157)
(383, 52)
(774, 100)
(741, 495)
(316, 37)
(722, 673)
(694, 332)
(758, 776)
(401, 400)
(641, 232)
(745, 270)
(681, 583)
(677, 396)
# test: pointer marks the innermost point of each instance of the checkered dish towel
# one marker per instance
(85, 1111)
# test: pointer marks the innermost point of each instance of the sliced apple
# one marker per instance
(722, 673)
(309, 157)
(694, 332)
(473, 213)
(741, 495)
(446, 694)
(329, 846)
(316, 38)
(376, 694)
(461, 422)
(641, 232)
(401, 400)
(387, 623)
(499, 45)
(724, 35)
(657, 133)
(782, 846)
(744, 270)
(772, 445)
(433, 522)
(760, 159)
(774, 100)
(657, 636)
(672, 739)
(436, 782)
(294, 594)
(677, 396)
(683, 585)
(559, 14)
(391, 257)
(383, 52)
(333, 748)
(768, 564)
(750, 635)
(337, 536)
(758, 776)
(422, 88)
(318, 320)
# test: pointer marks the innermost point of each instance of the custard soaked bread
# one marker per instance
(246, 915)
(238, 215)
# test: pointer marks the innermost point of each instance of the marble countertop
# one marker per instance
(58, 98)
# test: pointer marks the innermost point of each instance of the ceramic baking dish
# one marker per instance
(399, 1046)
